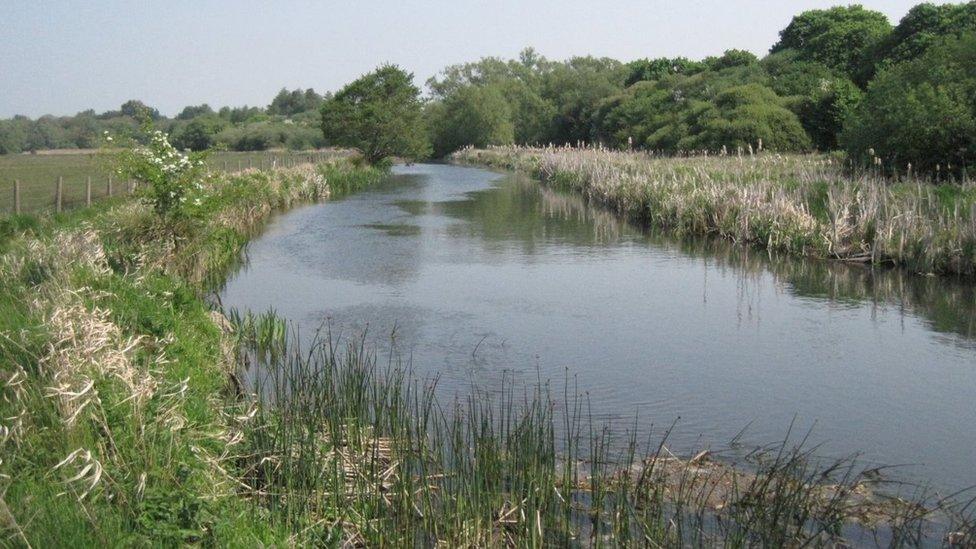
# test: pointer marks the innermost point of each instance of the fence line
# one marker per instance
(29, 196)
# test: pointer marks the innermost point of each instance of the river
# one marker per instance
(475, 273)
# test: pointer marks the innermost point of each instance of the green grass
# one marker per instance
(38, 174)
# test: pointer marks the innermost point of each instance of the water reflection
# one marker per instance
(478, 274)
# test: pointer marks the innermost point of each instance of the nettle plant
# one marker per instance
(170, 181)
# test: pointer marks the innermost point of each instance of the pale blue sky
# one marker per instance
(63, 57)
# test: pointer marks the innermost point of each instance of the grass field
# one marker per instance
(38, 174)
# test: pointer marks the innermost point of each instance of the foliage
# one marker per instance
(192, 111)
(171, 181)
(924, 25)
(199, 134)
(380, 114)
(920, 113)
(656, 69)
(819, 96)
(472, 116)
(839, 37)
(290, 103)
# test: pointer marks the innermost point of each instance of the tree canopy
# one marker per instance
(380, 114)
(839, 38)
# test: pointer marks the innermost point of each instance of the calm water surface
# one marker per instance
(479, 273)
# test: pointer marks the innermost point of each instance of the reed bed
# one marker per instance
(799, 204)
(347, 449)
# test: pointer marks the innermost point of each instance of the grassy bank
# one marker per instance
(116, 402)
(799, 204)
(133, 414)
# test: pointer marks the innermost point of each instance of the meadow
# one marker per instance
(809, 205)
(38, 174)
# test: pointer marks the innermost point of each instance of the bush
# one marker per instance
(920, 112)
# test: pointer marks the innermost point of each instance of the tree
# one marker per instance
(839, 37)
(290, 103)
(472, 116)
(380, 114)
(820, 97)
(193, 111)
(920, 112)
(655, 69)
(923, 26)
(199, 134)
(138, 110)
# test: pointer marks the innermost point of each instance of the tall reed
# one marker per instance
(801, 204)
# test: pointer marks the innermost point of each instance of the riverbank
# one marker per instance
(798, 204)
(117, 404)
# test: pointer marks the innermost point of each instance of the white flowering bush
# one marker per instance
(169, 180)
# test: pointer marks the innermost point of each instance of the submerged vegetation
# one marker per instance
(799, 204)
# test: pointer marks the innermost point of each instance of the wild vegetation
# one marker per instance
(134, 413)
(800, 204)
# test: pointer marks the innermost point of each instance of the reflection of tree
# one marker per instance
(522, 212)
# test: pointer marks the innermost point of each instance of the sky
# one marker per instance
(67, 56)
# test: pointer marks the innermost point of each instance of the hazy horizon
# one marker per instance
(61, 58)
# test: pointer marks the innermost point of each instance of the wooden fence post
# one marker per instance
(16, 196)
(225, 166)
(238, 164)
(59, 194)
(131, 186)
(249, 164)
(110, 186)
(88, 192)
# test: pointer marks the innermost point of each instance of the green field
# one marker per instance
(38, 174)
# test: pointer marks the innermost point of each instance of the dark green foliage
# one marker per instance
(731, 58)
(472, 116)
(193, 111)
(709, 110)
(920, 112)
(819, 96)
(198, 134)
(656, 69)
(924, 25)
(379, 114)
(838, 37)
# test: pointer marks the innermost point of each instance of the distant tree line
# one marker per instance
(902, 96)
(290, 121)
